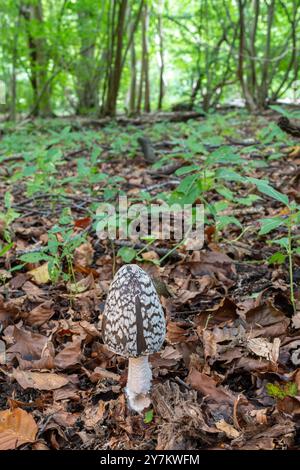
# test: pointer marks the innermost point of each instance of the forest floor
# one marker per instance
(228, 376)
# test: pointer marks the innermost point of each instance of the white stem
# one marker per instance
(138, 383)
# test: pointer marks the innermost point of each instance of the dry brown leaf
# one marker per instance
(39, 380)
(100, 373)
(294, 152)
(264, 315)
(10, 310)
(40, 314)
(83, 285)
(39, 446)
(34, 293)
(40, 274)
(296, 321)
(208, 387)
(263, 348)
(150, 255)
(84, 255)
(93, 415)
(228, 429)
(69, 355)
(213, 262)
(260, 415)
(28, 345)
(219, 340)
(19, 280)
(17, 427)
(180, 332)
(2, 352)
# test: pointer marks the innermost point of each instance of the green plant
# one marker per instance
(280, 392)
(289, 219)
(59, 251)
(7, 217)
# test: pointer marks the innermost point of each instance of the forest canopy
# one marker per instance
(79, 57)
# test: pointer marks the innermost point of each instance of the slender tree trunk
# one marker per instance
(88, 75)
(161, 58)
(13, 102)
(33, 13)
(242, 52)
(133, 81)
(252, 83)
(114, 77)
(264, 86)
(145, 27)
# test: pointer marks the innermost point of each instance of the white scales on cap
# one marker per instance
(133, 326)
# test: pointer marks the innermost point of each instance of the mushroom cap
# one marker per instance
(133, 322)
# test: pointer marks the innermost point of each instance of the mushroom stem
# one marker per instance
(138, 383)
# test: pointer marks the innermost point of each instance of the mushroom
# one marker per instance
(133, 326)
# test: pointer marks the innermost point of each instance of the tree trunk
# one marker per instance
(87, 73)
(161, 58)
(32, 12)
(242, 52)
(133, 82)
(145, 26)
(114, 77)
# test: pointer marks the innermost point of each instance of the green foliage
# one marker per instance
(59, 251)
(127, 254)
(149, 415)
(280, 392)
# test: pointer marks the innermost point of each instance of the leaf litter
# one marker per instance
(232, 337)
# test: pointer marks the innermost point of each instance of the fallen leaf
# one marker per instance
(39, 380)
(83, 285)
(228, 429)
(296, 321)
(84, 255)
(17, 427)
(69, 355)
(83, 223)
(2, 352)
(27, 345)
(294, 152)
(180, 332)
(19, 280)
(40, 274)
(208, 387)
(40, 314)
(263, 348)
(100, 373)
(264, 315)
(34, 293)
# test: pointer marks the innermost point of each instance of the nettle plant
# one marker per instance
(213, 174)
(40, 171)
(289, 219)
(7, 217)
(59, 251)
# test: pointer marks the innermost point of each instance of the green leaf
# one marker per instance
(186, 169)
(225, 220)
(148, 416)
(291, 389)
(277, 258)
(34, 257)
(264, 187)
(226, 193)
(248, 200)
(7, 200)
(127, 253)
(283, 242)
(229, 175)
(267, 225)
(275, 391)
(5, 249)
